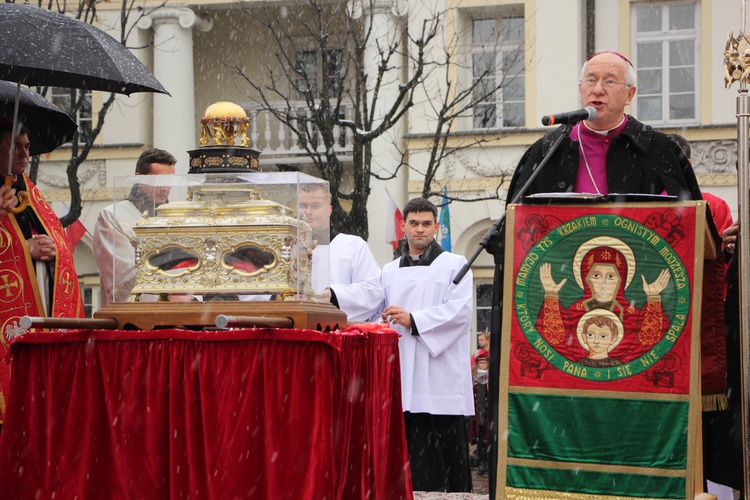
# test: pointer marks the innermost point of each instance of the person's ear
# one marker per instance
(631, 94)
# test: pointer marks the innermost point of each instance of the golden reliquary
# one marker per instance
(232, 247)
(225, 240)
(224, 246)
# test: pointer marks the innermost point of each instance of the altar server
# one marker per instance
(114, 239)
(350, 276)
(433, 316)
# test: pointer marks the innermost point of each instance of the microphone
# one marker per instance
(588, 113)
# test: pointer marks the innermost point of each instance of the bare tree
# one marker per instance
(335, 75)
(450, 101)
(77, 102)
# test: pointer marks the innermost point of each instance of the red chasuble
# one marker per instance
(19, 290)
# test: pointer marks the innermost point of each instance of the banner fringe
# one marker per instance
(526, 494)
(714, 402)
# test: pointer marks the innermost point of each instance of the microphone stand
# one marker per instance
(494, 243)
(493, 231)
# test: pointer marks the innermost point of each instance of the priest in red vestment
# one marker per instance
(37, 276)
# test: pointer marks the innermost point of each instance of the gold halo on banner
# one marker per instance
(606, 314)
(604, 241)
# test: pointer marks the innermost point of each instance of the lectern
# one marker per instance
(600, 372)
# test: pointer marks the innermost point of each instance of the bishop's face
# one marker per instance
(608, 100)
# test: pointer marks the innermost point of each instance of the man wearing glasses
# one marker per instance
(614, 152)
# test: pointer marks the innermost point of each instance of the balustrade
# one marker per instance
(273, 138)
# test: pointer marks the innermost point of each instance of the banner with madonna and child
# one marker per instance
(600, 391)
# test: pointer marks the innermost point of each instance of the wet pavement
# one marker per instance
(481, 484)
(481, 491)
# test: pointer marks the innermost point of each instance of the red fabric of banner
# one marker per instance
(638, 245)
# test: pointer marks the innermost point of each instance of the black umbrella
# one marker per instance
(41, 47)
(49, 126)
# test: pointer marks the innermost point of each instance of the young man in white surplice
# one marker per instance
(353, 273)
(433, 316)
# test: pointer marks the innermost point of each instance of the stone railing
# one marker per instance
(274, 139)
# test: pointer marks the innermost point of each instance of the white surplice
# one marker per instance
(354, 276)
(114, 251)
(435, 365)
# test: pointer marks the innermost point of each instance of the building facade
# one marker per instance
(533, 50)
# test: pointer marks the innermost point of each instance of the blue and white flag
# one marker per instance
(445, 222)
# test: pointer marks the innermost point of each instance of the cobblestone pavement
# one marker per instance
(481, 484)
(481, 491)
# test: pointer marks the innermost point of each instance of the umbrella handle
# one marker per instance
(23, 197)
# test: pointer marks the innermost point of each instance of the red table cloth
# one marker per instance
(268, 414)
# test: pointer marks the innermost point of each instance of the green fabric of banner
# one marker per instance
(632, 432)
(596, 483)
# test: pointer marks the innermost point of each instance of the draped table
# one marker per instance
(257, 413)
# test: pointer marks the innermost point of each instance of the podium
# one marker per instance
(600, 370)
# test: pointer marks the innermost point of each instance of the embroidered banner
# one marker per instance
(600, 377)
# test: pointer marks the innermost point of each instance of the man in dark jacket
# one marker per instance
(614, 152)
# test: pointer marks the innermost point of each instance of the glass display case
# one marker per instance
(249, 236)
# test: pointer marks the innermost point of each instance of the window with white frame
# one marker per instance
(666, 56)
(307, 72)
(310, 66)
(333, 63)
(483, 308)
(311, 70)
(497, 59)
(87, 294)
(76, 103)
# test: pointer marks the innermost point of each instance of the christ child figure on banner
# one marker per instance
(599, 332)
(604, 268)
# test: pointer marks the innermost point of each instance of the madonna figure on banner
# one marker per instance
(604, 268)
